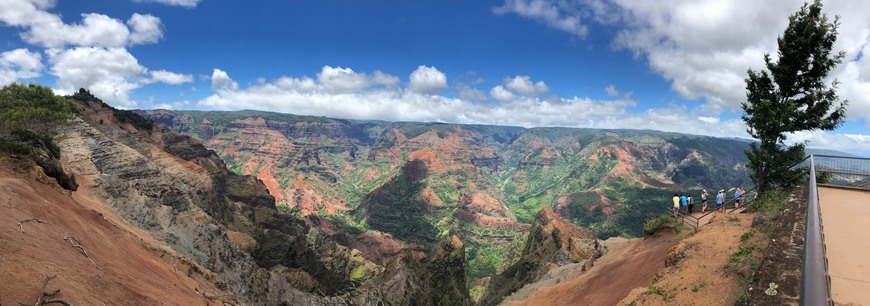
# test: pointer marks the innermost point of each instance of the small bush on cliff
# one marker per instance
(663, 222)
(28, 113)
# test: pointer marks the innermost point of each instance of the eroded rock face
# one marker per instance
(438, 279)
(159, 192)
(552, 242)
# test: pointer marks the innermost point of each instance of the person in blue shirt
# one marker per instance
(720, 199)
(683, 201)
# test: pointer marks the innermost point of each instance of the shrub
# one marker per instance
(663, 222)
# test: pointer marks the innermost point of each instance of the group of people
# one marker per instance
(685, 202)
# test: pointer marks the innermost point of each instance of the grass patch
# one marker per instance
(746, 236)
(768, 208)
(667, 295)
(664, 222)
(698, 286)
(732, 219)
(744, 262)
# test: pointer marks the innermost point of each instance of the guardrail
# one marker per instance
(815, 280)
(843, 171)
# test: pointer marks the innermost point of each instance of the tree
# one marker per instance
(32, 108)
(792, 96)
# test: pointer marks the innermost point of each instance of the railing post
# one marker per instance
(814, 284)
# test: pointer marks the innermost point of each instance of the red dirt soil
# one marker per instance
(132, 268)
(611, 278)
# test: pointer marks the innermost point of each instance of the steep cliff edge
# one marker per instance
(182, 193)
(123, 263)
(552, 242)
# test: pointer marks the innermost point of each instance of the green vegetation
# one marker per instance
(667, 295)
(792, 96)
(32, 108)
(662, 223)
(29, 115)
(396, 207)
(597, 179)
(768, 208)
(746, 236)
(744, 262)
(698, 286)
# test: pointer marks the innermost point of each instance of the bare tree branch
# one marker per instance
(77, 244)
(40, 299)
(21, 224)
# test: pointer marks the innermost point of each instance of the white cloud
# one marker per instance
(146, 29)
(859, 144)
(427, 80)
(171, 78)
(342, 80)
(704, 47)
(501, 94)
(305, 96)
(555, 14)
(108, 73)
(611, 90)
(522, 84)
(19, 64)
(26, 12)
(469, 93)
(182, 3)
(95, 30)
(710, 120)
(221, 81)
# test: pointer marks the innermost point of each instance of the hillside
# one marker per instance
(138, 198)
(421, 182)
(426, 214)
(129, 264)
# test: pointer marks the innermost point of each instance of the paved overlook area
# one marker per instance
(846, 217)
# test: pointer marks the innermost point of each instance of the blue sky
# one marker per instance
(671, 65)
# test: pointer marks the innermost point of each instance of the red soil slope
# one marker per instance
(614, 275)
(130, 267)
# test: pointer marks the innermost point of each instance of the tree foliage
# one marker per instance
(792, 95)
(28, 113)
(32, 107)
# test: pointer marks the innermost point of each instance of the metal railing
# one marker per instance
(842, 171)
(815, 280)
(687, 217)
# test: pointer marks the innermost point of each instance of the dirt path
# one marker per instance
(695, 272)
(612, 277)
(657, 271)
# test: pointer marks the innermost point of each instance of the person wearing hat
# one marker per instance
(704, 200)
(720, 200)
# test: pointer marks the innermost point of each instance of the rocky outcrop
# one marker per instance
(552, 242)
(438, 279)
(158, 192)
(183, 194)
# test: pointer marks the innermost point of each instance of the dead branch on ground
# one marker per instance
(21, 224)
(41, 298)
(77, 244)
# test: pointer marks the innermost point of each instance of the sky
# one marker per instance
(671, 65)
